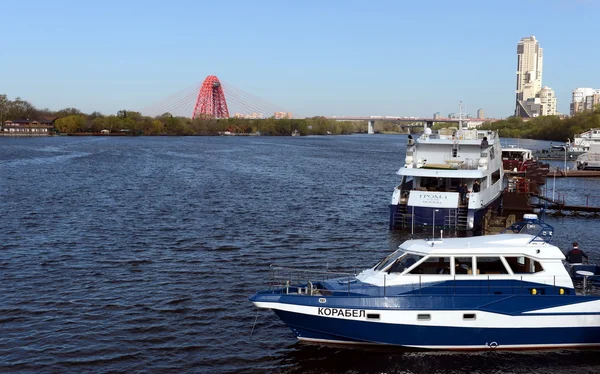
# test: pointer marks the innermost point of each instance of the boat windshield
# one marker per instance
(397, 262)
(389, 260)
(403, 263)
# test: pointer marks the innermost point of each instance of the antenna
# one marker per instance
(460, 107)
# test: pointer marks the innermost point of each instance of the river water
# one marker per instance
(139, 254)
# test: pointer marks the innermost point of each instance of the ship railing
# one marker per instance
(286, 280)
(460, 164)
(291, 280)
(541, 232)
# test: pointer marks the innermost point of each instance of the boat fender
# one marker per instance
(533, 291)
(561, 291)
(492, 345)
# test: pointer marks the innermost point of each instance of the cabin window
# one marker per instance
(463, 265)
(495, 176)
(404, 263)
(433, 265)
(490, 265)
(523, 265)
(492, 153)
(423, 317)
(429, 183)
(454, 183)
(484, 182)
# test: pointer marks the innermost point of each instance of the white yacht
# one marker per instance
(583, 141)
(591, 159)
(436, 166)
(507, 291)
(581, 144)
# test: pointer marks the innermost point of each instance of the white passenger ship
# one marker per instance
(436, 165)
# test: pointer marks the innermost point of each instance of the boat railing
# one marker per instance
(305, 281)
(541, 232)
(294, 281)
(460, 164)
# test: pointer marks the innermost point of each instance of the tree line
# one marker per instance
(546, 127)
(72, 120)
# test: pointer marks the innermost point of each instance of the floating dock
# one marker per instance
(573, 174)
(549, 204)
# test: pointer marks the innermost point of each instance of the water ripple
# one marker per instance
(139, 254)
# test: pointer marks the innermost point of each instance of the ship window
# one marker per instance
(471, 317)
(423, 317)
(524, 265)
(463, 265)
(490, 265)
(373, 316)
(495, 176)
(433, 265)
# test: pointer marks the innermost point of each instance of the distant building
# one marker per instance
(437, 115)
(474, 124)
(584, 99)
(452, 115)
(27, 127)
(531, 99)
(282, 115)
(480, 114)
(548, 101)
(253, 115)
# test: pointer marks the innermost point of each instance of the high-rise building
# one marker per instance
(530, 58)
(436, 115)
(584, 99)
(480, 114)
(548, 101)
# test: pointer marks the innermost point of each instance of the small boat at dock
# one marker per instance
(506, 291)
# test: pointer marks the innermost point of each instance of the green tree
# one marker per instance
(71, 124)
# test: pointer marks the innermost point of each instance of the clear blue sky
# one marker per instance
(312, 57)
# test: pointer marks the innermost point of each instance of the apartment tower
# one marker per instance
(531, 99)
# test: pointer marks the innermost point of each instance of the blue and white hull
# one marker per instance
(513, 322)
(505, 291)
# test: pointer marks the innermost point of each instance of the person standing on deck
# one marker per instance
(576, 255)
(460, 190)
(476, 186)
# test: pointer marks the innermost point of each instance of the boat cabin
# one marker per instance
(516, 159)
(502, 257)
(448, 179)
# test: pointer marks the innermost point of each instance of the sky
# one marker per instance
(310, 57)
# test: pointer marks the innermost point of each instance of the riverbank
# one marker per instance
(546, 127)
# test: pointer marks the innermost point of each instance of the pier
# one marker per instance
(573, 173)
(561, 206)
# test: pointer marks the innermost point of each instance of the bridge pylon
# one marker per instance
(371, 127)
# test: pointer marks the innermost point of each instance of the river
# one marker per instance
(138, 254)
